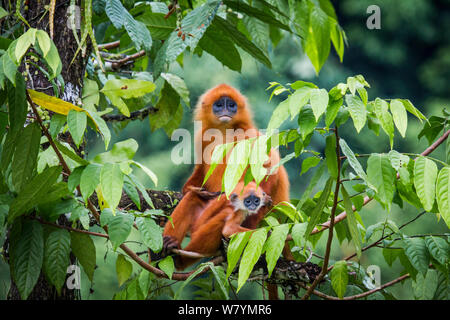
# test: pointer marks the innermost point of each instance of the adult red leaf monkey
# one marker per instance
(225, 109)
(223, 217)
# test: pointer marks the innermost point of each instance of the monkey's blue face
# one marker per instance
(224, 108)
(252, 202)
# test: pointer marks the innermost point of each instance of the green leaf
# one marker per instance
(351, 222)
(251, 255)
(44, 41)
(332, 111)
(425, 173)
(417, 253)
(413, 110)
(57, 257)
(309, 163)
(167, 266)
(438, 248)
(120, 152)
(178, 85)
(390, 255)
(219, 45)
(83, 248)
(381, 174)
(235, 248)
(306, 121)
(147, 171)
(76, 122)
(102, 127)
(56, 124)
(74, 178)
(25, 155)
(236, 164)
(90, 179)
(17, 103)
(357, 111)
(275, 244)
(118, 89)
(159, 26)
(119, 227)
(425, 285)
(318, 38)
(317, 211)
(124, 268)
(34, 193)
(400, 117)
(354, 163)
(279, 115)
(111, 182)
(167, 106)
(319, 102)
(150, 232)
(382, 113)
(339, 278)
(443, 194)
(314, 180)
(26, 257)
(330, 155)
(24, 42)
(241, 40)
(299, 98)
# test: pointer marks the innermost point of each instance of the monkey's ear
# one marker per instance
(233, 196)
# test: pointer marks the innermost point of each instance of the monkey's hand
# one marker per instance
(169, 243)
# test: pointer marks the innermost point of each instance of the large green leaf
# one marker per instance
(119, 227)
(216, 43)
(438, 248)
(400, 117)
(57, 257)
(124, 268)
(443, 194)
(425, 173)
(357, 111)
(331, 156)
(236, 165)
(275, 244)
(26, 257)
(425, 285)
(306, 121)
(111, 182)
(279, 115)
(339, 278)
(83, 248)
(76, 121)
(318, 101)
(318, 38)
(251, 255)
(167, 265)
(159, 26)
(382, 113)
(298, 99)
(241, 40)
(417, 253)
(118, 89)
(178, 85)
(34, 193)
(90, 179)
(17, 103)
(150, 232)
(121, 151)
(25, 155)
(235, 248)
(381, 174)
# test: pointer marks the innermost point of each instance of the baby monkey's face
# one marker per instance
(250, 199)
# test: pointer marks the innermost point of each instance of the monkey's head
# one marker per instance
(223, 106)
(249, 199)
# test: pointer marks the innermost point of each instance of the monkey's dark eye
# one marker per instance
(256, 201)
(232, 106)
(248, 201)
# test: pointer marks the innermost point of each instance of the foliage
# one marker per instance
(44, 177)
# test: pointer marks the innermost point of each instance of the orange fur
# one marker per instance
(187, 216)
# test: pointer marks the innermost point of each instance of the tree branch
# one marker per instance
(140, 114)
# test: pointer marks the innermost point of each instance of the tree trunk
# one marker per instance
(72, 73)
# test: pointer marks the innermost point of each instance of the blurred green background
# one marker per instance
(409, 57)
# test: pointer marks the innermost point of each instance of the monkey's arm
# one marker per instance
(195, 180)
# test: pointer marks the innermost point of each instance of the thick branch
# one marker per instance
(140, 114)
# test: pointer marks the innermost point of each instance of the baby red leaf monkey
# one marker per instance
(224, 217)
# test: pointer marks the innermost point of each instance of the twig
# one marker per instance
(109, 45)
